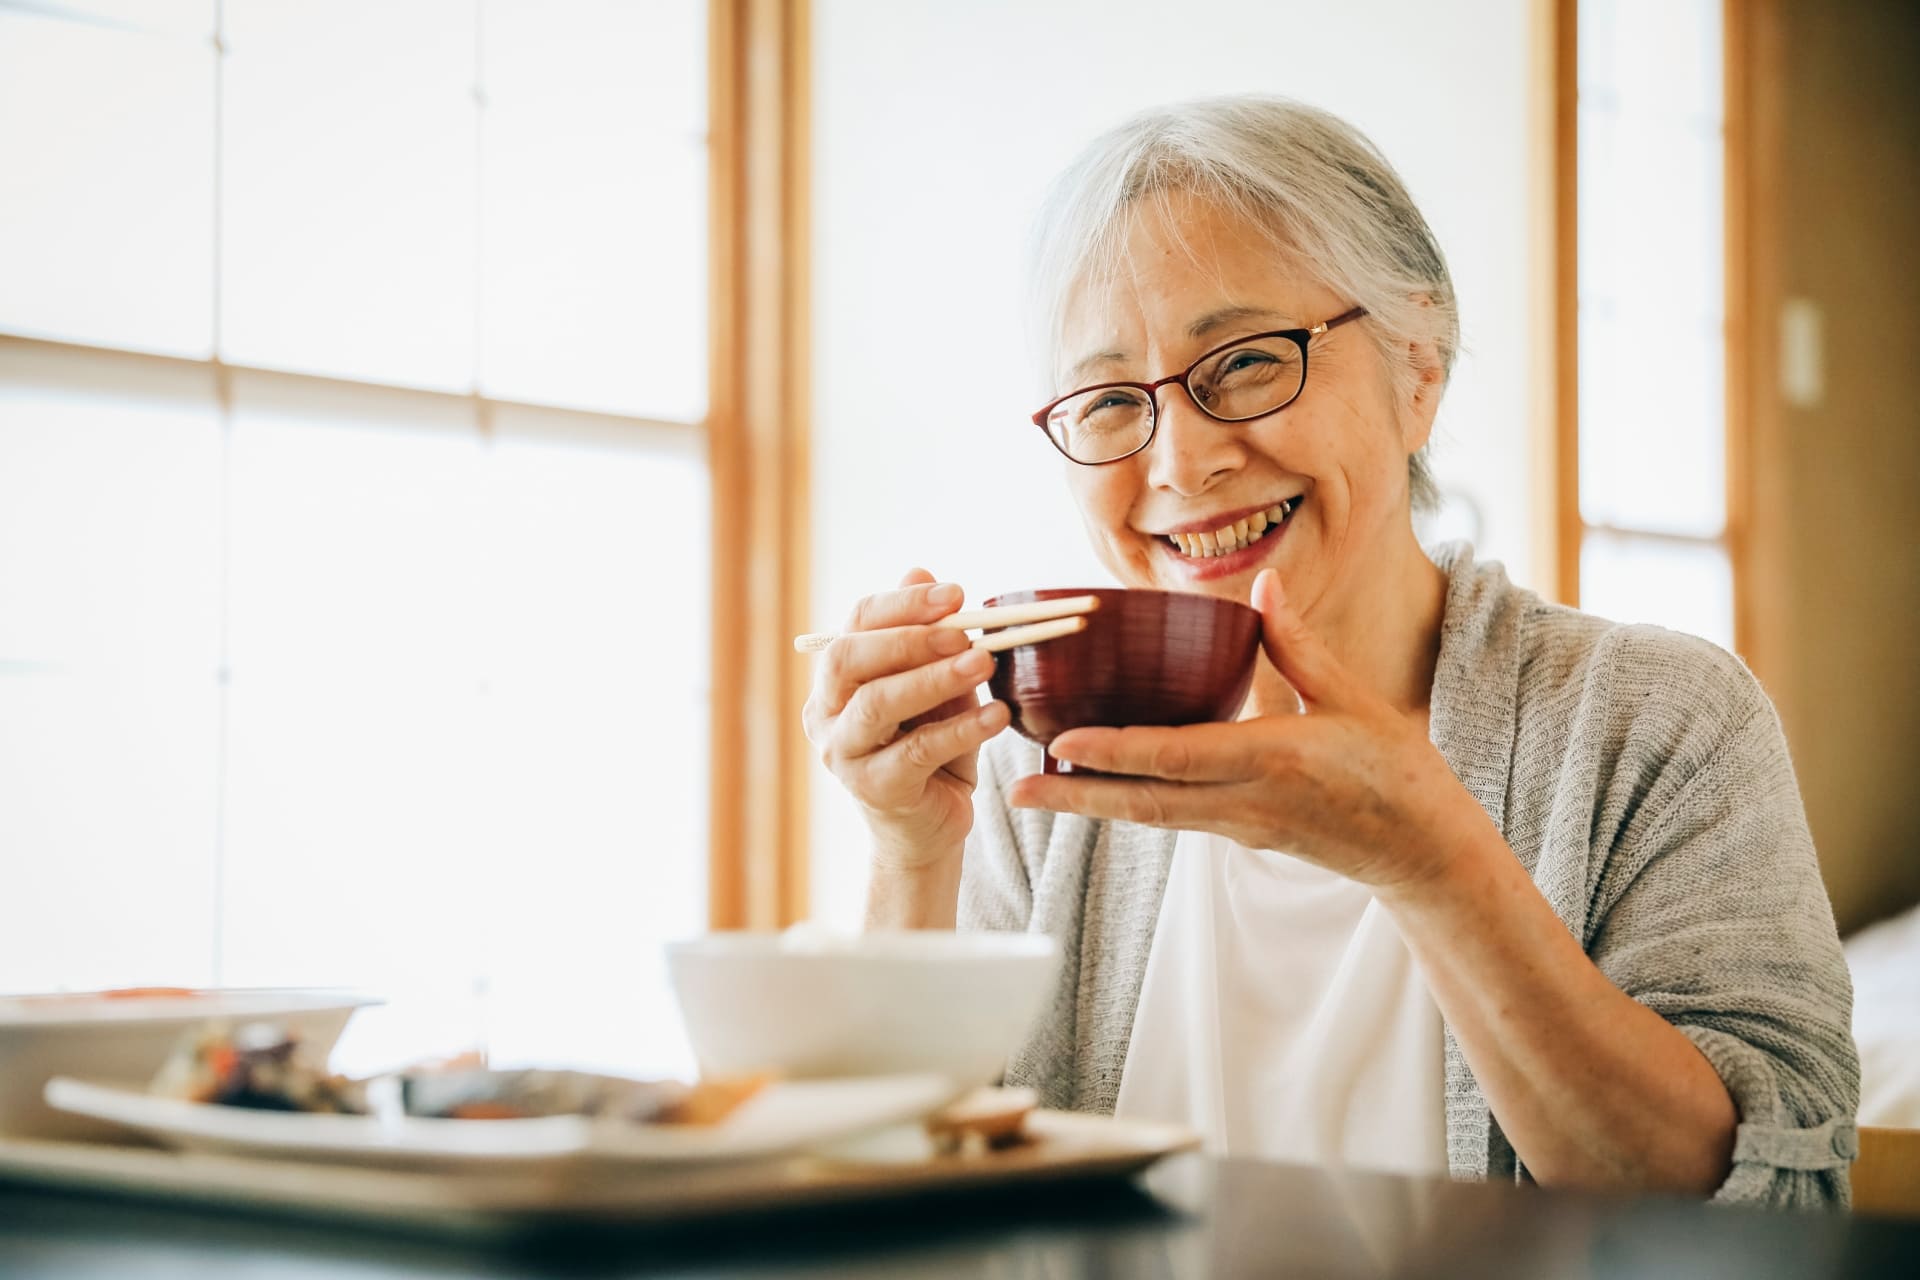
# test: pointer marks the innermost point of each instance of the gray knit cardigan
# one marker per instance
(1639, 775)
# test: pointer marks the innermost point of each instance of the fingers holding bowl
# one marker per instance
(1215, 752)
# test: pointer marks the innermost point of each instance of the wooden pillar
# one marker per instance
(1560, 529)
(760, 395)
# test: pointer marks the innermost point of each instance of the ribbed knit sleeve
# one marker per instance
(1711, 912)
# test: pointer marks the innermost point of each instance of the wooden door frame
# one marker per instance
(1558, 529)
(760, 127)
(1756, 424)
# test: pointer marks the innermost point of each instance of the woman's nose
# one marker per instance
(1190, 452)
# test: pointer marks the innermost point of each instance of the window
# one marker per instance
(353, 370)
(1651, 528)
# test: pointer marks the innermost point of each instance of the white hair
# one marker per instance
(1324, 194)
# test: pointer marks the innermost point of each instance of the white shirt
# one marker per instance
(1282, 1017)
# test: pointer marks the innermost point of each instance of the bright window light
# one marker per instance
(1652, 246)
(342, 661)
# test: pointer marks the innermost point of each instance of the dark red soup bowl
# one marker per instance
(1146, 657)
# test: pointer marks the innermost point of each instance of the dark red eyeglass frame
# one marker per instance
(1299, 338)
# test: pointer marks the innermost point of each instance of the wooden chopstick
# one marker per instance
(1013, 637)
(1006, 615)
(1009, 615)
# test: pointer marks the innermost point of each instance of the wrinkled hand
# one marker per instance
(1349, 782)
(894, 715)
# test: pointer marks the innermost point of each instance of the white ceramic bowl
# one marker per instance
(125, 1039)
(952, 1004)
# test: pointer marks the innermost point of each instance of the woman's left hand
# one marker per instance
(1349, 783)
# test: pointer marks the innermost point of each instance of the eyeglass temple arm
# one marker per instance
(1336, 322)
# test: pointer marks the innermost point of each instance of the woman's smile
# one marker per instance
(1233, 543)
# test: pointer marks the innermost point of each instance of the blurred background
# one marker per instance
(424, 423)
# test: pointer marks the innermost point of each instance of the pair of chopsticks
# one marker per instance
(1023, 623)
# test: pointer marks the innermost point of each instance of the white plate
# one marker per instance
(783, 1117)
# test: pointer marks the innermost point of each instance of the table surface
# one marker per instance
(1190, 1217)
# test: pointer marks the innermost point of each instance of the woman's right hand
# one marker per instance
(893, 713)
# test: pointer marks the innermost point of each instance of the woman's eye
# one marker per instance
(1251, 366)
(1240, 360)
(1113, 403)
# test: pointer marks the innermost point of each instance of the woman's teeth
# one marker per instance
(1236, 536)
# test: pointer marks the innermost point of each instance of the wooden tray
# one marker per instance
(1061, 1147)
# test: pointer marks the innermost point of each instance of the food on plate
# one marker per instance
(257, 1065)
(476, 1093)
(472, 1092)
(260, 1065)
(711, 1101)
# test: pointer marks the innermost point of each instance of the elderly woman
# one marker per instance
(1476, 884)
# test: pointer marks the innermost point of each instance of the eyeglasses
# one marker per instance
(1246, 379)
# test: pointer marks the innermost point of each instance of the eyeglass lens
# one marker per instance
(1244, 381)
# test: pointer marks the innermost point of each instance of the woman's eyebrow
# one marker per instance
(1225, 316)
(1084, 368)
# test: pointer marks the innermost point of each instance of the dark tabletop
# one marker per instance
(1191, 1217)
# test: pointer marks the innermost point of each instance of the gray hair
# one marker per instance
(1311, 181)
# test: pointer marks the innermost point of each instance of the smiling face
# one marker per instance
(1317, 491)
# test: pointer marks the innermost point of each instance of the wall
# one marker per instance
(1837, 518)
(936, 129)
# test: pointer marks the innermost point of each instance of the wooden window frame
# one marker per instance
(1750, 45)
(757, 432)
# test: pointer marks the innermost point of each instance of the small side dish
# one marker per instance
(985, 1120)
(123, 1037)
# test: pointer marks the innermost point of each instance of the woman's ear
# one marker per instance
(1428, 379)
(1423, 398)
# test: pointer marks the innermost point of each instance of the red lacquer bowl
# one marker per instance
(1146, 657)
